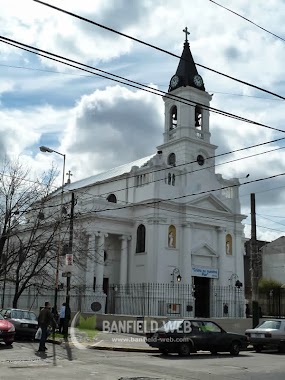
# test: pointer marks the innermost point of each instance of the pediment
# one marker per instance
(209, 202)
(204, 249)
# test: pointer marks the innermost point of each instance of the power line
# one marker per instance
(144, 84)
(163, 169)
(153, 46)
(188, 195)
(248, 20)
(187, 172)
(83, 69)
(126, 81)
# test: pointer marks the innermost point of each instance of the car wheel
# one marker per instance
(281, 348)
(258, 348)
(184, 350)
(163, 351)
(235, 348)
(8, 343)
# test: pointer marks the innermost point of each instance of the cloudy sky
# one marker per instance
(100, 124)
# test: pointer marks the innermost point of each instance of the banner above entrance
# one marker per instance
(205, 272)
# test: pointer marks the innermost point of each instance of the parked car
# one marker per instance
(268, 334)
(25, 321)
(185, 336)
(7, 331)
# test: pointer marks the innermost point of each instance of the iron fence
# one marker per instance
(145, 299)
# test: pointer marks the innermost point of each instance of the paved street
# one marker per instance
(21, 362)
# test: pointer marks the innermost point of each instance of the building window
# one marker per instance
(171, 236)
(142, 179)
(198, 122)
(171, 159)
(112, 198)
(229, 245)
(140, 239)
(173, 118)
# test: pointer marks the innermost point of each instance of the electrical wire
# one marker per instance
(248, 20)
(144, 84)
(152, 46)
(189, 195)
(127, 82)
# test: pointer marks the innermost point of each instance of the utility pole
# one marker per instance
(254, 264)
(68, 274)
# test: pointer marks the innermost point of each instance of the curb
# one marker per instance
(58, 342)
(124, 349)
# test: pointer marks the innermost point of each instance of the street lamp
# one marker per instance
(178, 277)
(45, 149)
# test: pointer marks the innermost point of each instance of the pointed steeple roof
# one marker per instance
(186, 73)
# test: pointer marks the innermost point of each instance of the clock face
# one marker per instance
(198, 80)
(174, 81)
(200, 160)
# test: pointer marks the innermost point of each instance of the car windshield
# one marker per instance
(172, 325)
(23, 314)
(270, 325)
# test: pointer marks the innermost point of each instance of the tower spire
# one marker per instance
(186, 73)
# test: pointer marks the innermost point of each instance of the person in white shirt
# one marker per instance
(61, 317)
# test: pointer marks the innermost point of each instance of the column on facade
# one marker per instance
(99, 260)
(186, 264)
(90, 262)
(223, 270)
(124, 259)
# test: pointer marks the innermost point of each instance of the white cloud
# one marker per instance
(99, 124)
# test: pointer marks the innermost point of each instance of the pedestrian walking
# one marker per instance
(45, 319)
(62, 317)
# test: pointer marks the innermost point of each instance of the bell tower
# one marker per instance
(186, 127)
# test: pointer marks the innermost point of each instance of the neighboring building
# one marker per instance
(273, 260)
(164, 218)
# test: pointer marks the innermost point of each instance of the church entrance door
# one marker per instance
(202, 297)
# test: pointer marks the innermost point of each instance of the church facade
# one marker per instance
(167, 225)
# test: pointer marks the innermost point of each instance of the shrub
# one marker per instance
(265, 285)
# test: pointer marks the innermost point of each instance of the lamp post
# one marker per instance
(178, 277)
(49, 150)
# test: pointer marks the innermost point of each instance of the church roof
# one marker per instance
(111, 173)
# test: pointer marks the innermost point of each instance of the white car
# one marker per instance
(268, 334)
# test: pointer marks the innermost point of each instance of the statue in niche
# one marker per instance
(228, 248)
(171, 239)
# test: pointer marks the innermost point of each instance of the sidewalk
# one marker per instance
(121, 342)
(107, 341)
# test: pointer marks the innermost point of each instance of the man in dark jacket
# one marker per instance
(45, 319)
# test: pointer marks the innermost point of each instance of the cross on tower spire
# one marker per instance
(185, 30)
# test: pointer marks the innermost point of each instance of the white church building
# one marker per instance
(164, 233)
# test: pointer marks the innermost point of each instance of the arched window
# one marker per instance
(173, 118)
(140, 239)
(171, 159)
(171, 236)
(198, 117)
(173, 179)
(169, 178)
(112, 198)
(229, 244)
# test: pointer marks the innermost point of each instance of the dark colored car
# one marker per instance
(189, 336)
(7, 331)
(25, 321)
(268, 334)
